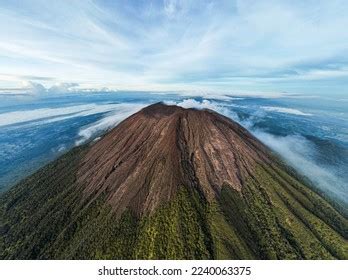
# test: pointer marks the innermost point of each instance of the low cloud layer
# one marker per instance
(47, 115)
(299, 153)
(285, 110)
(111, 120)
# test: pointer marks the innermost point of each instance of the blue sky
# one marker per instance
(230, 46)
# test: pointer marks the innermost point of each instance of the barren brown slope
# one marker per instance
(144, 160)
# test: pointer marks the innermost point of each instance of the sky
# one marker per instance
(298, 47)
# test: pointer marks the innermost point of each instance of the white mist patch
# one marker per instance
(121, 112)
(59, 149)
(299, 153)
(54, 114)
(285, 110)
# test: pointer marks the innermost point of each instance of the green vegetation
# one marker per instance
(274, 217)
(177, 231)
(279, 218)
(44, 217)
(33, 213)
(173, 232)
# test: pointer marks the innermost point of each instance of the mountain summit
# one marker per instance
(170, 183)
(143, 162)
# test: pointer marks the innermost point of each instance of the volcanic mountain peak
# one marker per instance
(144, 160)
(169, 183)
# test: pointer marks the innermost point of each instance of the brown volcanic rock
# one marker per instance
(142, 162)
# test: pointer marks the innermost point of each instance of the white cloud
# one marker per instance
(34, 88)
(285, 110)
(63, 87)
(111, 120)
(192, 103)
(299, 153)
(47, 115)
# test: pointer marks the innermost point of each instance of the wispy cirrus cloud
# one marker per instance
(175, 44)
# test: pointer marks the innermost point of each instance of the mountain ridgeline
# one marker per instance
(170, 183)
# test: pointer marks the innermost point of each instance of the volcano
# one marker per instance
(170, 183)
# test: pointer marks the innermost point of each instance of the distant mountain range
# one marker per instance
(170, 183)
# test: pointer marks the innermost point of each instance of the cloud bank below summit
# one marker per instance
(107, 122)
(48, 115)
